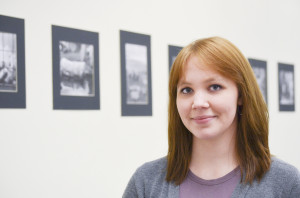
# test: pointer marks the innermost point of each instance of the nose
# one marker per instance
(200, 101)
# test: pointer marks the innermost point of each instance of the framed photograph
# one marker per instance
(260, 70)
(135, 74)
(173, 52)
(12, 63)
(286, 87)
(75, 69)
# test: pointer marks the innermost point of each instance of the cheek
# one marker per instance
(230, 109)
(178, 105)
(182, 107)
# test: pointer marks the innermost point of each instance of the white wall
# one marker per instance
(47, 153)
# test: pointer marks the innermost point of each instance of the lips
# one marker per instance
(203, 119)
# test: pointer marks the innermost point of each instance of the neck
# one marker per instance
(213, 158)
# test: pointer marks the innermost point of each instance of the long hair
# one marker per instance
(252, 148)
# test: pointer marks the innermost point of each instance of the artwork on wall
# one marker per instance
(260, 70)
(173, 52)
(75, 69)
(12, 63)
(135, 74)
(286, 84)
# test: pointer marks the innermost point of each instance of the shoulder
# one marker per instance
(149, 180)
(153, 166)
(281, 179)
(282, 170)
(152, 170)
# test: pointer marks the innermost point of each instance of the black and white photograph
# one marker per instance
(286, 87)
(75, 69)
(8, 62)
(135, 74)
(260, 70)
(173, 52)
(12, 63)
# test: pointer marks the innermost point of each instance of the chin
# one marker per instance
(204, 136)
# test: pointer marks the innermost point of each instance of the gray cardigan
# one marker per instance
(281, 181)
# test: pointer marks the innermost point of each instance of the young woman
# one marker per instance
(218, 133)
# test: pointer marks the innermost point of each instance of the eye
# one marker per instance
(186, 90)
(215, 87)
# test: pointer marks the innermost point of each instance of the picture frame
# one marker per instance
(259, 68)
(75, 69)
(136, 88)
(173, 52)
(12, 63)
(286, 85)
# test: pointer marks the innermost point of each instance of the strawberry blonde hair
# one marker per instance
(252, 148)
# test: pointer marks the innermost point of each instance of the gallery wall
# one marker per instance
(93, 153)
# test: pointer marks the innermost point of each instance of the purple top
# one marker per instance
(195, 187)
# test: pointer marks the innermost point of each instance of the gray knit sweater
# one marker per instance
(281, 181)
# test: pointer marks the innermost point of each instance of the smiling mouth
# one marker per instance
(203, 119)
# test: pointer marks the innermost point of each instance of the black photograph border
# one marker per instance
(15, 99)
(256, 63)
(60, 33)
(289, 68)
(173, 51)
(135, 109)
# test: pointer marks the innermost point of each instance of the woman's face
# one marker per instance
(207, 101)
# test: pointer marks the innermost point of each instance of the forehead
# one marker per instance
(195, 66)
(198, 72)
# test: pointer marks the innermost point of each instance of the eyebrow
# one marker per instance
(209, 80)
